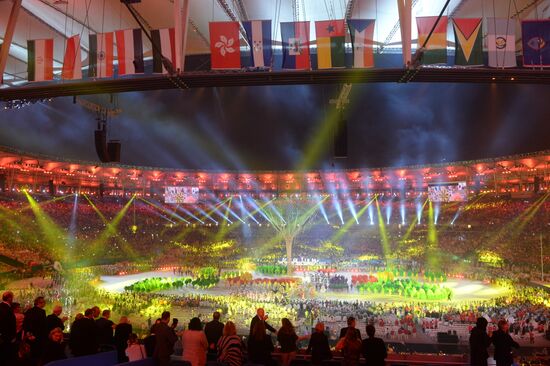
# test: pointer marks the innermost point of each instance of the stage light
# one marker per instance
(352, 210)
(389, 208)
(371, 215)
(402, 211)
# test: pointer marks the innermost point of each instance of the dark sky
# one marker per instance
(270, 127)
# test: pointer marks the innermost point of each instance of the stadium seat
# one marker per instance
(103, 359)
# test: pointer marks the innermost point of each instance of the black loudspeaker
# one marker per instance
(101, 189)
(113, 148)
(101, 145)
(3, 183)
(536, 182)
(341, 139)
(51, 187)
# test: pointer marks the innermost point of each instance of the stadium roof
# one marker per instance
(24, 168)
(59, 19)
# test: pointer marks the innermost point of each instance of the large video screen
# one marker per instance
(181, 195)
(448, 192)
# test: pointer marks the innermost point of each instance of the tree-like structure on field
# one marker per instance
(290, 218)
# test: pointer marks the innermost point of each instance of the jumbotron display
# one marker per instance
(181, 195)
(448, 192)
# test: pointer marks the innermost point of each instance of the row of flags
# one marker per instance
(331, 41)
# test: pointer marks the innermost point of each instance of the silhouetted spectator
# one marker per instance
(373, 349)
(479, 342)
(105, 328)
(83, 340)
(503, 344)
(213, 330)
(54, 321)
(318, 345)
(122, 333)
(54, 348)
(35, 328)
(351, 324)
(165, 337)
(7, 330)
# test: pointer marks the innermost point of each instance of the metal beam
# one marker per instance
(225, 7)
(231, 79)
(10, 29)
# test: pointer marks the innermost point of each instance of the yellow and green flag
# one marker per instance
(331, 40)
(436, 49)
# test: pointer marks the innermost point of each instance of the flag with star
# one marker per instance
(295, 39)
(258, 34)
(331, 40)
(536, 43)
(362, 40)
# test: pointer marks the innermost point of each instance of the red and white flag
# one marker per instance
(225, 50)
(164, 41)
(72, 62)
(40, 59)
(101, 55)
(129, 52)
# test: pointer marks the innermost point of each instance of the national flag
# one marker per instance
(72, 61)
(501, 42)
(164, 46)
(536, 43)
(295, 39)
(40, 59)
(331, 40)
(129, 51)
(468, 41)
(101, 55)
(225, 47)
(362, 40)
(258, 34)
(436, 49)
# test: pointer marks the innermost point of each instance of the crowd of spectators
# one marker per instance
(500, 225)
(34, 338)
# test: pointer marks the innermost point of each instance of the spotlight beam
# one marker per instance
(338, 235)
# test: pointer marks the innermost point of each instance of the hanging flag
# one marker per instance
(536, 43)
(331, 40)
(362, 40)
(436, 49)
(40, 59)
(469, 41)
(258, 34)
(101, 55)
(501, 42)
(164, 46)
(72, 61)
(295, 39)
(225, 48)
(129, 52)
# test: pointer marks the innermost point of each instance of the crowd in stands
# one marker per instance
(34, 338)
(483, 223)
